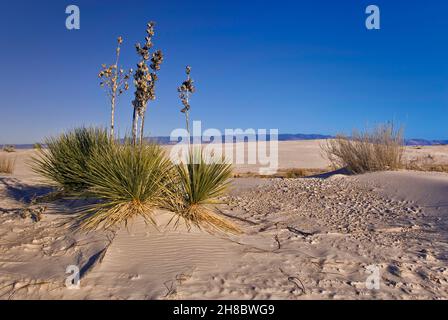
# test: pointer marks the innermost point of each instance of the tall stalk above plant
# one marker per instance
(185, 91)
(115, 80)
(144, 80)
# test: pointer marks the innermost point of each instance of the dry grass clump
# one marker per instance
(7, 164)
(429, 167)
(196, 187)
(380, 149)
(427, 163)
(9, 148)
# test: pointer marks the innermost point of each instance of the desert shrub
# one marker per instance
(7, 164)
(125, 181)
(196, 187)
(426, 163)
(380, 149)
(65, 160)
(37, 146)
(9, 148)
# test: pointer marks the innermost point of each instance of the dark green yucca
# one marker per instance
(65, 159)
(197, 185)
(126, 181)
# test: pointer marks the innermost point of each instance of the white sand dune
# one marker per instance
(309, 238)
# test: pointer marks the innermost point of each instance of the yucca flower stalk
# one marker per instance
(144, 81)
(185, 90)
(197, 184)
(115, 80)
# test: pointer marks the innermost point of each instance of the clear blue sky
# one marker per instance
(299, 66)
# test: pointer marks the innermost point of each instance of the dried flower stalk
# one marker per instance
(115, 81)
(185, 90)
(144, 80)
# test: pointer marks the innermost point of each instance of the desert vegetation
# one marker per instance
(125, 179)
(115, 81)
(7, 163)
(426, 163)
(128, 181)
(37, 146)
(144, 81)
(199, 180)
(196, 186)
(376, 150)
(65, 160)
(9, 148)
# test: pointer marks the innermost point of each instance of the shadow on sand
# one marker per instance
(24, 192)
(327, 175)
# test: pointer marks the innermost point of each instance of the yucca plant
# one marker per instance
(198, 182)
(125, 181)
(64, 161)
(196, 189)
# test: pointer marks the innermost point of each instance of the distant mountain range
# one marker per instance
(424, 142)
(301, 136)
(282, 137)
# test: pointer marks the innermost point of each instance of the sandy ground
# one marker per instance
(308, 238)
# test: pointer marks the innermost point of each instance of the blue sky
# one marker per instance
(299, 66)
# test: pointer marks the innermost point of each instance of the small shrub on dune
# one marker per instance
(126, 181)
(7, 164)
(196, 188)
(381, 149)
(9, 148)
(65, 160)
(37, 146)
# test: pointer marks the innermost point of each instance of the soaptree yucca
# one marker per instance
(64, 161)
(196, 189)
(198, 181)
(125, 181)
